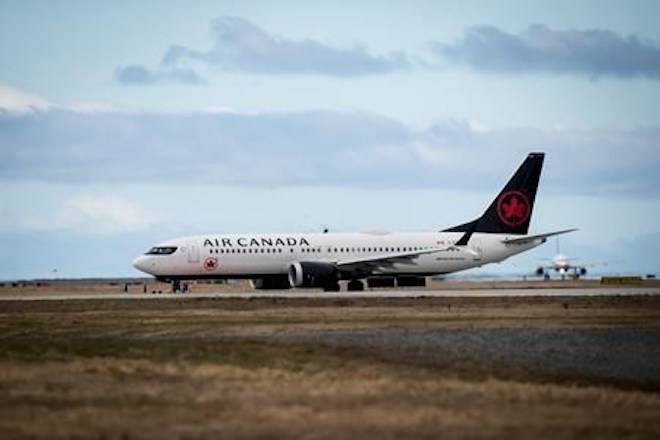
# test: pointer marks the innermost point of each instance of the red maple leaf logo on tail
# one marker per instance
(513, 208)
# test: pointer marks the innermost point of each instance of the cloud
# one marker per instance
(139, 75)
(91, 107)
(17, 102)
(105, 214)
(97, 213)
(539, 49)
(316, 148)
(240, 46)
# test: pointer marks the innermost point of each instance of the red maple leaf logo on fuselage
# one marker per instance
(210, 263)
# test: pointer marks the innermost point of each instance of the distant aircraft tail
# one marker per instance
(511, 211)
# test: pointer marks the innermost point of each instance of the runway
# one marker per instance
(375, 294)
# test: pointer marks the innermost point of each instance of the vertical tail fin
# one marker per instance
(511, 211)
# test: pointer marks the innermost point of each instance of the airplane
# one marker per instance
(321, 260)
(561, 264)
(564, 266)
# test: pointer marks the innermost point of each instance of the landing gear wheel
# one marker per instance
(355, 286)
(332, 287)
(176, 286)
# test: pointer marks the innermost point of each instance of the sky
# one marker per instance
(126, 123)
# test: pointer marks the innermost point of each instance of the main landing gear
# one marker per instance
(352, 286)
(355, 286)
(332, 287)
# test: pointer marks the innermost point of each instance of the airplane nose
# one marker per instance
(141, 263)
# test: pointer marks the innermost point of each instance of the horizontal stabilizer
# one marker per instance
(528, 238)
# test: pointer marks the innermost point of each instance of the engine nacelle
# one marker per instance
(583, 271)
(312, 274)
(271, 283)
(540, 271)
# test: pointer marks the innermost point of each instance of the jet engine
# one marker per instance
(540, 271)
(312, 274)
(583, 271)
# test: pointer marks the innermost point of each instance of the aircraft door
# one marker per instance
(193, 254)
(477, 247)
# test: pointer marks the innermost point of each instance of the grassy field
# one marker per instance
(275, 368)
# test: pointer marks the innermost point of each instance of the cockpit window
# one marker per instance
(164, 250)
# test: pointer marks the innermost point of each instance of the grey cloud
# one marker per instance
(243, 47)
(266, 149)
(140, 75)
(592, 52)
(316, 148)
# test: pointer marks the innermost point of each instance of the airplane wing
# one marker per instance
(528, 238)
(600, 263)
(370, 264)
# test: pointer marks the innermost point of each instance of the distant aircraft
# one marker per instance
(564, 266)
(321, 260)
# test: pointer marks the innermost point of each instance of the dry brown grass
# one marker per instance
(146, 399)
(208, 369)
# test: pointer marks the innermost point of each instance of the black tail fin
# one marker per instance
(511, 211)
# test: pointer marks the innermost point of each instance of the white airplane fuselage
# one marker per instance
(561, 261)
(253, 255)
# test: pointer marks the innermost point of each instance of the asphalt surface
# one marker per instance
(602, 354)
(384, 293)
